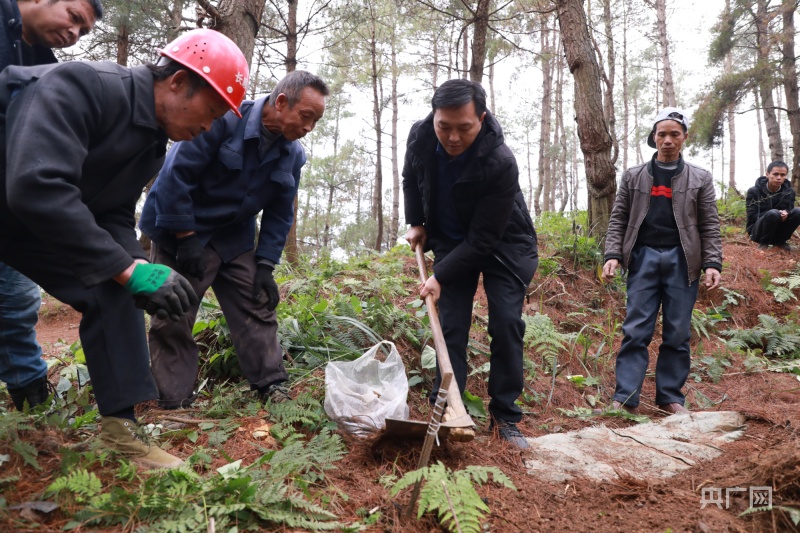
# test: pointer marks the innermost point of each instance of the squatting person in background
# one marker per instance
(771, 214)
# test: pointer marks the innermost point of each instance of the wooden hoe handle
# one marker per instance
(462, 428)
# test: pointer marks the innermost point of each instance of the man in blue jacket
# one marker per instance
(200, 215)
(29, 30)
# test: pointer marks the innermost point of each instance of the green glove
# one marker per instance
(161, 291)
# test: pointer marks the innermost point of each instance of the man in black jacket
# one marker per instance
(463, 201)
(98, 133)
(771, 214)
(28, 32)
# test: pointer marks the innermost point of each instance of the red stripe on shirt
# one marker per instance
(661, 190)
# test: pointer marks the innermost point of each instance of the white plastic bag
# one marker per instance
(360, 395)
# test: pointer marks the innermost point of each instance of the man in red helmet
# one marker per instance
(99, 133)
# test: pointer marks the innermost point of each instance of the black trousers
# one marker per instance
(112, 330)
(505, 294)
(254, 330)
(769, 229)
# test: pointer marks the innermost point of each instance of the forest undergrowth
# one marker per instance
(286, 467)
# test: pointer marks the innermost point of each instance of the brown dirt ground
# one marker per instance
(768, 455)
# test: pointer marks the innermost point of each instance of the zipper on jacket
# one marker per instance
(639, 225)
(680, 235)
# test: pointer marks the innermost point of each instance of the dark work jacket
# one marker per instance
(81, 143)
(760, 200)
(216, 184)
(487, 198)
(11, 47)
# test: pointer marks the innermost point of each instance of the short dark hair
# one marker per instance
(292, 86)
(97, 6)
(455, 93)
(776, 164)
(162, 72)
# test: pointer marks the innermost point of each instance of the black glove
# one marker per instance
(265, 289)
(161, 291)
(191, 256)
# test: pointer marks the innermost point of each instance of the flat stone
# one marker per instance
(652, 450)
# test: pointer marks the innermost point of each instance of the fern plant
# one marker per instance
(76, 487)
(773, 337)
(542, 335)
(783, 288)
(247, 497)
(452, 495)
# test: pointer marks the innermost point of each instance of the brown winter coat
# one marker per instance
(693, 204)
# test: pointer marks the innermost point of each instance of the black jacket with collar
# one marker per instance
(487, 198)
(81, 142)
(760, 200)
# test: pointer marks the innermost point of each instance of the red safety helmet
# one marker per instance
(216, 59)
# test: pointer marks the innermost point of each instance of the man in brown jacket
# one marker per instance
(664, 229)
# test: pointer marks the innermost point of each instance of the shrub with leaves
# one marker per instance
(452, 495)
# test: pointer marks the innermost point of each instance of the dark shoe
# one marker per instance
(785, 246)
(616, 406)
(275, 393)
(763, 246)
(34, 393)
(674, 409)
(509, 432)
(120, 436)
(170, 405)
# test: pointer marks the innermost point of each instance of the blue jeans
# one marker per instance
(20, 355)
(657, 278)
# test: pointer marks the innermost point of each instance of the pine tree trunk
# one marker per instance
(593, 132)
(668, 86)
(174, 15)
(123, 45)
(561, 171)
(240, 20)
(611, 60)
(789, 68)
(731, 136)
(530, 172)
(766, 83)
(480, 25)
(541, 199)
(291, 37)
(626, 132)
(326, 235)
(465, 52)
(639, 156)
(377, 190)
(491, 87)
(291, 250)
(762, 153)
(395, 222)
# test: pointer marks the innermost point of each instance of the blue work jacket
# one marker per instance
(216, 184)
